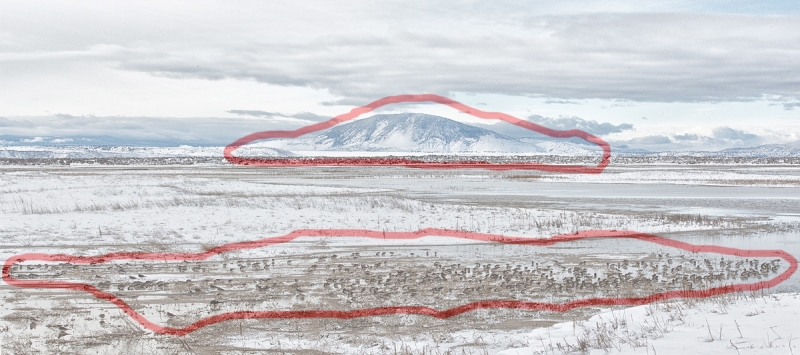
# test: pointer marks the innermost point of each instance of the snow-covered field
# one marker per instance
(755, 324)
(96, 209)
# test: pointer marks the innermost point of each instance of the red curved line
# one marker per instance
(604, 161)
(418, 310)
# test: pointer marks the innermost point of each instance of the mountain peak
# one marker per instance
(416, 131)
(419, 132)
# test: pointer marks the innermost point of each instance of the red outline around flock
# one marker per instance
(391, 161)
(418, 310)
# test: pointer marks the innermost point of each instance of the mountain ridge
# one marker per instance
(417, 132)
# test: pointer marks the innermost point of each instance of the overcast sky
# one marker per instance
(657, 75)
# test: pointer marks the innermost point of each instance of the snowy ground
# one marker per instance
(756, 324)
(95, 209)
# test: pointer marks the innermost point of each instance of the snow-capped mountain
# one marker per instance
(416, 132)
(791, 150)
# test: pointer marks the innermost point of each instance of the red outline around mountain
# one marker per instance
(392, 161)
(418, 310)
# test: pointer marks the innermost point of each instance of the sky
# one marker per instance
(656, 75)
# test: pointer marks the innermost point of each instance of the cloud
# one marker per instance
(733, 134)
(719, 138)
(308, 116)
(363, 51)
(647, 140)
(791, 106)
(348, 101)
(168, 130)
(255, 113)
(32, 140)
(686, 137)
(8, 122)
(591, 126)
(561, 102)
(633, 57)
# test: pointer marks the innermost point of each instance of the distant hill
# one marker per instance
(88, 152)
(16, 140)
(790, 150)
